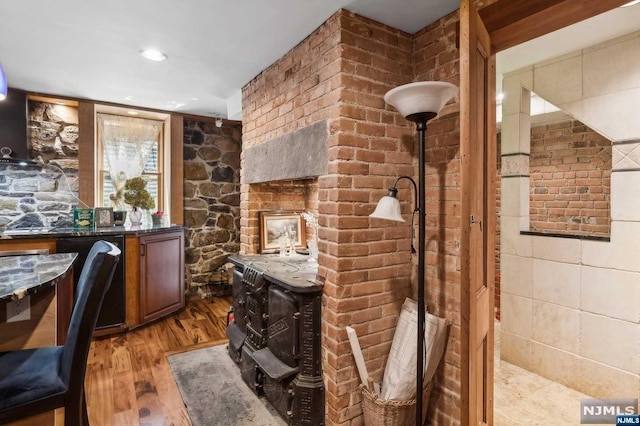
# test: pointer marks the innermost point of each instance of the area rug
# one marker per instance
(213, 391)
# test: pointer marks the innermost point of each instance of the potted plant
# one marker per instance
(137, 196)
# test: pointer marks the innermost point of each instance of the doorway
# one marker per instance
(566, 301)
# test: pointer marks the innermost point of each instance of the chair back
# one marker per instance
(93, 283)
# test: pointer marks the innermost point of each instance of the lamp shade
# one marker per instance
(3, 84)
(388, 208)
(420, 97)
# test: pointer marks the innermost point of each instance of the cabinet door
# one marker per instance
(161, 275)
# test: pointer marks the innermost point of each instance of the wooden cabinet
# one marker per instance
(161, 275)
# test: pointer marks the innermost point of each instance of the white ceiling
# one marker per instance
(89, 50)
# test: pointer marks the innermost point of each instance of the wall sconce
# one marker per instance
(417, 102)
(218, 122)
(3, 84)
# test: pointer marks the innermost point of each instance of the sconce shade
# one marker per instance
(420, 97)
(388, 208)
(3, 84)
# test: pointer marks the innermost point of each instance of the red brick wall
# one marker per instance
(570, 183)
(341, 73)
(437, 58)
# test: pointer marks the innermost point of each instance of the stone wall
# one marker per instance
(52, 132)
(34, 196)
(211, 200)
(44, 195)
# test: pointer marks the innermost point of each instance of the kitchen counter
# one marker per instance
(21, 233)
(28, 275)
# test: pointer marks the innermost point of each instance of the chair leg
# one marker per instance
(75, 411)
(85, 415)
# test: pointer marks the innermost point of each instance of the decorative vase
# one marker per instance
(135, 216)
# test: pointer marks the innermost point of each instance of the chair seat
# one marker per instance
(30, 375)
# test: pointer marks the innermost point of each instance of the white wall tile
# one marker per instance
(613, 115)
(511, 242)
(602, 381)
(513, 84)
(621, 253)
(515, 350)
(559, 82)
(515, 133)
(558, 249)
(516, 275)
(515, 314)
(625, 196)
(514, 198)
(610, 341)
(611, 293)
(556, 282)
(556, 326)
(602, 68)
(554, 364)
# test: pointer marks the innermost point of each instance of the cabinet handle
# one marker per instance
(296, 334)
(143, 249)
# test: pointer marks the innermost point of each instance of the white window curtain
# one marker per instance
(127, 144)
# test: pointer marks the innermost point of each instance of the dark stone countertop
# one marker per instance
(8, 234)
(294, 273)
(27, 275)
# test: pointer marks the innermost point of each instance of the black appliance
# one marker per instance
(113, 312)
(276, 310)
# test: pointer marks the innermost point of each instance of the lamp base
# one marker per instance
(421, 117)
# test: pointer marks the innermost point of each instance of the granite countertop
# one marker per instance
(293, 272)
(27, 275)
(80, 232)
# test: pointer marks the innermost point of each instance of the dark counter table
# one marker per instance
(50, 232)
(28, 275)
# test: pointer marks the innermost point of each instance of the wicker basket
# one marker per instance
(378, 412)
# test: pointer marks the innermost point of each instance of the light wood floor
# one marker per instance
(128, 378)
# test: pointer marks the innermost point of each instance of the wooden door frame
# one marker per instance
(509, 23)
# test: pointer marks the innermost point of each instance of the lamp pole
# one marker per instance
(421, 119)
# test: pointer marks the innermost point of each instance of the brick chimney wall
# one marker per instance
(340, 73)
(437, 58)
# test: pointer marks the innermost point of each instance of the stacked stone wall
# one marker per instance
(211, 201)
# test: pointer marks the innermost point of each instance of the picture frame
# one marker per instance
(103, 217)
(274, 224)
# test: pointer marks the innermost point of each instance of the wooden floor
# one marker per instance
(128, 378)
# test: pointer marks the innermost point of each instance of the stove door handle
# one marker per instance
(296, 334)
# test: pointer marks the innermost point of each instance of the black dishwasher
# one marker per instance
(112, 313)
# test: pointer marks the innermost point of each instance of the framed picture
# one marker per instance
(276, 224)
(103, 216)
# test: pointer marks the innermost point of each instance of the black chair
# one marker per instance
(34, 381)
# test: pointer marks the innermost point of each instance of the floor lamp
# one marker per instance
(417, 102)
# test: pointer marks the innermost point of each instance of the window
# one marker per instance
(129, 147)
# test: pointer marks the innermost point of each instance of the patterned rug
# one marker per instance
(214, 393)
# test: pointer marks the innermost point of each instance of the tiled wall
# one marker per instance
(570, 307)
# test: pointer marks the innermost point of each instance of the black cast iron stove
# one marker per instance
(275, 334)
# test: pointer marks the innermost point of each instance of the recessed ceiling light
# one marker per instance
(631, 3)
(132, 112)
(153, 55)
(194, 99)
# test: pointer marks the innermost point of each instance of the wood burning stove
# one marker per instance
(275, 334)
